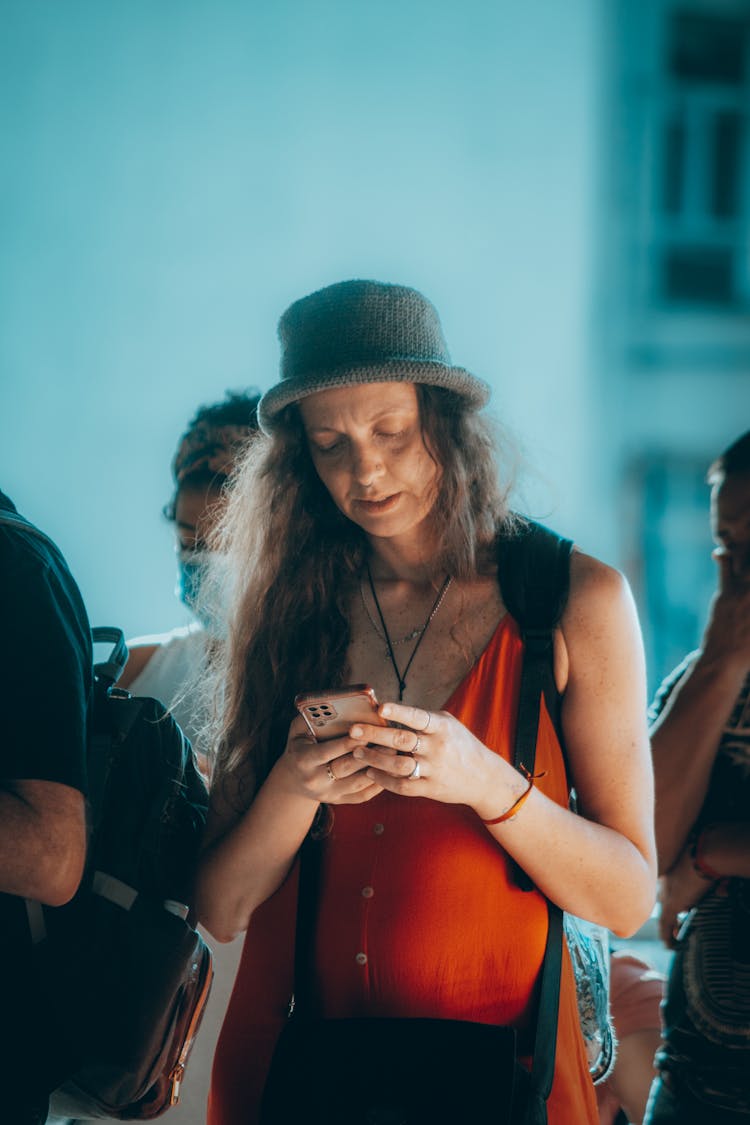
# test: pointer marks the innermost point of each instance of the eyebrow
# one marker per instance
(376, 418)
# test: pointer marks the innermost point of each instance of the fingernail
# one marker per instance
(385, 711)
(358, 753)
(356, 732)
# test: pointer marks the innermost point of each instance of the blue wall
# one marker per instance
(174, 173)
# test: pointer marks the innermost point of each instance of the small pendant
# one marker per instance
(410, 636)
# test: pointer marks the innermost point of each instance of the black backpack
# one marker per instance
(122, 975)
(134, 970)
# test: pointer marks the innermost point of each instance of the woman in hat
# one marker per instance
(362, 536)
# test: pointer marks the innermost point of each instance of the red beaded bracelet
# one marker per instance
(531, 778)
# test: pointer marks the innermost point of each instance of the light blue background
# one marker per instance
(175, 172)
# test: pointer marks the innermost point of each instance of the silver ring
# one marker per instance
(426, 727)
(417, 744)
(415, 774)
(330, 772)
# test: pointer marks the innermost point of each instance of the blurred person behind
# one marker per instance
(636, 990)
(701, 753)
(165, 665)
(45, 705)
(168, 666)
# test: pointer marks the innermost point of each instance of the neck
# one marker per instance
(392, 560)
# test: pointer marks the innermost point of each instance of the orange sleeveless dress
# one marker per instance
(419, 916)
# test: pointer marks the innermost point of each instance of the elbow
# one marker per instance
(222, 936)
(630, 926)
(634, 914)
(219, 927)
(57, 882)
(218, 921)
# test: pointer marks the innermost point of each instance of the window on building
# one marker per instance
(701, 186)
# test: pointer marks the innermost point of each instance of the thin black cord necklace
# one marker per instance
(401, 676)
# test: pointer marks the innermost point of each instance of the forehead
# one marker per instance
(360, 404)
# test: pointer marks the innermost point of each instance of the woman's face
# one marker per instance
(367, 446)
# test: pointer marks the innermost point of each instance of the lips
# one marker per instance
(382, 505)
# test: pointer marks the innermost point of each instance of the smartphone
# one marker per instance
(330, 713)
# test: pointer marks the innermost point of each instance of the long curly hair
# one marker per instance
(291, 558)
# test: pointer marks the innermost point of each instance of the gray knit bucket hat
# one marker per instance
(363, 332)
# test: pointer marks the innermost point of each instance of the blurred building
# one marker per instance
(672, 311)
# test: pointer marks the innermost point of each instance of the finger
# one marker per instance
(386, 761)
(344, 767)
(407, 776)
(724, 562)
(347, 787)
(667, 922)
(318, 753)
(360, 797)
(397, 738)
(417, 718)
(373, 755)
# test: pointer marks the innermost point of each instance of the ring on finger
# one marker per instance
(330, 772)
(426, 727)
(415, 773)
(417, 744)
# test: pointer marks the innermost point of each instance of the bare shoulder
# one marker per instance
(138, 658)
(599, 627)
(595, 587)
(599, 632)
(51, 798)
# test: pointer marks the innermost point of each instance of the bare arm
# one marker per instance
(138, 658)
(634, 1072)
(601, 864)
(725, 849)
(686, 736)
(42, 840)
(248, 854)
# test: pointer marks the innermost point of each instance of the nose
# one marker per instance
(366, 465)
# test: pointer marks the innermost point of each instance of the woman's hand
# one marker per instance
(431, 754)
(678, 892)
(325, 771)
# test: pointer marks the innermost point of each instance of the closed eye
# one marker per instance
(327, 450)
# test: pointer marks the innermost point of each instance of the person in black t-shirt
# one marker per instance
(45, 698)
(701, 750)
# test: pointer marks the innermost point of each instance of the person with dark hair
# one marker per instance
(163, 665)
(168, 666)
(361, 541)
(45, 702)
(701, 753)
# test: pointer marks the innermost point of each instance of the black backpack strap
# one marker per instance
(109, 671)
(533, 568)
(545, 1037)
